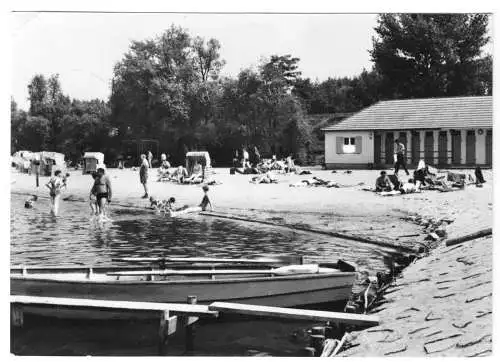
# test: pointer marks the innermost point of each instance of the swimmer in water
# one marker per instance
(29, 202)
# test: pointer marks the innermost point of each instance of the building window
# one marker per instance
(349, 145)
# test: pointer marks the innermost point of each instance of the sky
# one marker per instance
(83, 47)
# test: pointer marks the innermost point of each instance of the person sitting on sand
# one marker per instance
(420, 173)
(180, 174)
(383, 183)
(197, 175)
(29, 202)
(163, 170)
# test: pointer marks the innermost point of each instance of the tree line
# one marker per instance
(170, 88)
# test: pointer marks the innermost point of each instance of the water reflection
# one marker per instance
(37, 238)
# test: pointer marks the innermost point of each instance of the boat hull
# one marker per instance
(282, 291)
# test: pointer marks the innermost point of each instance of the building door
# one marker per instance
(489, 147)
(415, 147)
(429, 148)
(456, 147)
(443, 148)
(378, 149)
(470, 148)
(389, 148)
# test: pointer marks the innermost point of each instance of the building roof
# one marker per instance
(428, 113)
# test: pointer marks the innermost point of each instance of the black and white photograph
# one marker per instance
(250, 183)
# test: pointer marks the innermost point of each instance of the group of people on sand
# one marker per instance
(424, 177)
(253, 163)
(180, 174)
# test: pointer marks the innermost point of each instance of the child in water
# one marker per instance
(205, 201)
(29, 202)
(93, 198)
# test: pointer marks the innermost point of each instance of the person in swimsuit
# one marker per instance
(143, 175)
(93, 197)
(205, 201)
(102, 191)
(29, 202)
(55, 186)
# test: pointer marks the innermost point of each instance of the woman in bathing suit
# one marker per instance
(55, 186)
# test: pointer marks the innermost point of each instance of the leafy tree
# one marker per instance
(427, 55)
(207, 58)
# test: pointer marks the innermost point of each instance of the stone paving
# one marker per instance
(440, 306)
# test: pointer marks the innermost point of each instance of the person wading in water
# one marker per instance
(55, 186)
(102, 191)
(143, 175)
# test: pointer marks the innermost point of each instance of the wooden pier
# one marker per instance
(174, 317)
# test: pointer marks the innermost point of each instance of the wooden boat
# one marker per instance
(292, 285)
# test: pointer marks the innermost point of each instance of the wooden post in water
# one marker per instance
(190, 328)
(168, 326)
(17, 315)
(328, 330)
(317, 341)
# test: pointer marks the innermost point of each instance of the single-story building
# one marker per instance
(444, 132)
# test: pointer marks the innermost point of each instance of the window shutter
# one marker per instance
(340, 144)
(359, 147)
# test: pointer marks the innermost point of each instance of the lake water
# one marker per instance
(72, 238)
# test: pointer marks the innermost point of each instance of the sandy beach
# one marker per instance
(351, 210)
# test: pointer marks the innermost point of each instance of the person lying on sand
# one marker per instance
(383, 183)
(409, 187)
(266, 178)
(29, 202)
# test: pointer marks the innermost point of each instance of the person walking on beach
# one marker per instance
(55, 186)
(150, 159)
(102, 191)
(256, 154)
(245, 157)
(143, 175)
(400, 157)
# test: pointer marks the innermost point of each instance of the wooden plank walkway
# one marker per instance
(298, 314)
(177, 308)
